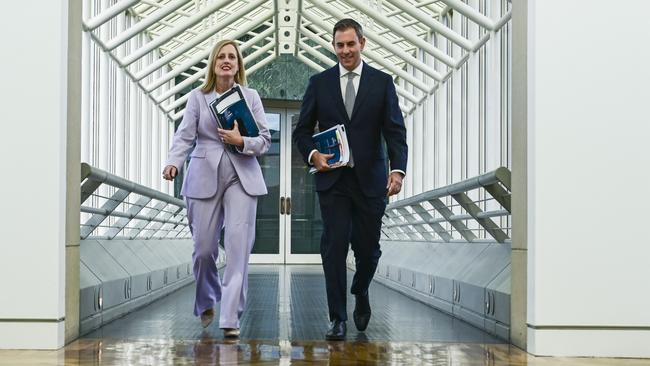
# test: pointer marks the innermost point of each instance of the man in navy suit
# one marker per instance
(352, 199)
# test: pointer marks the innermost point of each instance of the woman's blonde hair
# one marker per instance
(211, 77)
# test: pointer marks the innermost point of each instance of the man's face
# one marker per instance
(348, 47)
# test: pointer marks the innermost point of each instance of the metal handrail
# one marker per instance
(166, 217)
(500, 175)
(406, 219)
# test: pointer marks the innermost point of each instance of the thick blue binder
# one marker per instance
(231, 107)
(327, 142)
(334, 141)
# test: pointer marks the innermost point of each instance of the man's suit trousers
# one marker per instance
(349, 217)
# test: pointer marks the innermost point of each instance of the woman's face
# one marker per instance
(226, 65)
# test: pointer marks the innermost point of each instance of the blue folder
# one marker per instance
(334, 141)
(327, 142)
(231, 107)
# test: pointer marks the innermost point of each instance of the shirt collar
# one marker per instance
(220, 94)
(357, 70)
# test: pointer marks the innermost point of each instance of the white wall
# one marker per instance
(33, 144)
(588, 159)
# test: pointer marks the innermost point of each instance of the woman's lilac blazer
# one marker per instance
(199, 125)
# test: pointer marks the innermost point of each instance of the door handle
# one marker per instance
(282, 205)
(288, 208)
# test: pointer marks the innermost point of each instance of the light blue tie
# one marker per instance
(350, 94)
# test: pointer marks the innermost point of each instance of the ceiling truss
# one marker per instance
(182, 32)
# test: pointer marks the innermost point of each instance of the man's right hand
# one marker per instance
(170, 172)
(320, 161)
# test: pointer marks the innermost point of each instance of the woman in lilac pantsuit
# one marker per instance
(221, 188)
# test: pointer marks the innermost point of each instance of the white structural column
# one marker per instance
(429, 123)
(103, 122)
(167, 127)
(42, 158)
(418, 137)
(156, 120)
(86, 92)
(585, 175)
(145, 139)
(135, 121)
(120, 101)
(407, 189)
(469, 140)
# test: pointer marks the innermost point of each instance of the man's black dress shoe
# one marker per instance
(336, 332)
(361, 312)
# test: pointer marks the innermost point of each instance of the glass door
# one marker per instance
(288, 218)
(268, 228)
(304, 222)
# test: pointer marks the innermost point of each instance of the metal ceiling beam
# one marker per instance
(476, 16)
(427, 4)
(430, 22)
(209, 33)
(258, 37)
(117, 61)
(107, 14)
(319, 68)
(379, 59)
(176, 103)
(171, 33)
(182, 85)
(203, 55)
(251, 71)
(184, 13)
(396, 50)
(400, 30)
(261, 64)
(322, 58)
(319, 55)
(276, 23)
(144, 24)
(307, 61)
(201, 73)
(258, 52)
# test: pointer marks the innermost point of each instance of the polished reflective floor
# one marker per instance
(211, 351)
(289, 303)
(284, 325)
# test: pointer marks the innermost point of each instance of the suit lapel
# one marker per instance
(209, 98)
(335, 84)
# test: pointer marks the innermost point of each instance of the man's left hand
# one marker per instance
(394, 183)
(232, 137)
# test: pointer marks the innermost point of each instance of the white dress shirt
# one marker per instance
(343, 72)
(343, 81)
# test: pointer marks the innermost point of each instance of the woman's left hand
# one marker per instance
(231, 137)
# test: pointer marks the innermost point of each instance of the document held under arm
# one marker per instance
(231, 107)
(333, 141)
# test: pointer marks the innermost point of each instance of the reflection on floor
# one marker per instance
(289, 303)
(284, 324)
(211, 351)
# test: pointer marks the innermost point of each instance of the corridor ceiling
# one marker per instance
(398, 33)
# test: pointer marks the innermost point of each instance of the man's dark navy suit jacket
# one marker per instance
(376, 113)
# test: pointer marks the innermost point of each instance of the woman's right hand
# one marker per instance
(169, 173)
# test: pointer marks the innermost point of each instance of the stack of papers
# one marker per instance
(333, 141)
(231, 107)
